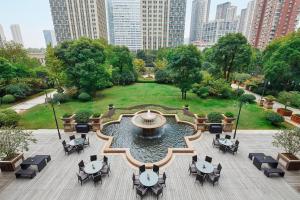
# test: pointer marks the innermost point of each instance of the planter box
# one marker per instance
(95, 123)
(227, 127)
(11, 165)
(200, 120)
(284, 112)
(68, 123)
(289, 161)
(296, 118)
(82, 128)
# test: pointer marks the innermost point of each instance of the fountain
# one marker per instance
(148, 121)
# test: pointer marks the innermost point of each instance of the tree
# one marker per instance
(55, 66)
(232, 53)
(7, 71)
(282, 63)
(185, 65)
(139, 66)
(286, 98)
(289, 140)
(83, 63)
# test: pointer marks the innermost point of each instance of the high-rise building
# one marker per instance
(125, 25)
(222, 10)
(16, 33)
(163, 23)
(110, 24)
(249, 19)
(50, 38)
(231, 13)
(216, 29)
(288, 18)
(242, 21)
(2, 36)
(77, 18)
(263, 22)
(200, 15)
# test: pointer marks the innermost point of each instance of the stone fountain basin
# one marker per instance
(157, 120)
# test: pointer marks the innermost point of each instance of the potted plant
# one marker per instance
(68, 122)
(229, 117)
(285, 98)
(275, 118)
(186, 107)
(95, 121)
(13, 141)
(296, 118)
(201, 118)
(269, 101)
(110, 106)
(289, 140)
(215, 122)
(82, 119)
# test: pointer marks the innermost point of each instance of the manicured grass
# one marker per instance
(252, 116)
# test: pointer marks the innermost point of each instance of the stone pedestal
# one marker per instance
(69, 124)
(227, 127)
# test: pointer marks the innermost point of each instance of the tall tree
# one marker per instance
(185, 65)
(7, 71)
(83, 62)
(232, 53)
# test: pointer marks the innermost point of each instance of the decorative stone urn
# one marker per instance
(12, 164)
(95, 123)
(268, 103)
(69, 123)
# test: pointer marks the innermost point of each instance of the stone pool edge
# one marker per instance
(171, 151)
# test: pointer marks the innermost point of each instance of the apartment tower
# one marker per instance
(73, 19)
(163, 23)
(50, 38)
(2, 36)
(16, 33)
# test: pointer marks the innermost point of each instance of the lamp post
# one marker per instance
(56, 123)
(238, 119)
(264, 88)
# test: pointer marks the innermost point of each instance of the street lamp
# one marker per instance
(238, 119)
(55, 118)
(264, 88)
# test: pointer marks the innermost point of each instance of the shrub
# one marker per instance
(18, 90)
(60, 97)
(202, 92)
(220, 88)
(125, 78)
(162, 76)
(72, 92)
(270, 98)
(289, 140)
(226, 93)
(9, 118)
(214, 117)
(83, 116)
(239, 92)
(229, 114)
(8, 99)
(96, 115)
(67, 115)
(84, 97)
(274, 118)
(247, 98)
(201, 115)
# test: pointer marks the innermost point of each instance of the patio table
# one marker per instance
(259, 160)
(93, 167)
(76, 142)
(204, 167)
(226, 142)
(148, 178)
(39, 162)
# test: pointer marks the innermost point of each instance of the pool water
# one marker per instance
(148, 149)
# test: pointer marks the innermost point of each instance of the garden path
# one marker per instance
(23, 106)
(275, 106)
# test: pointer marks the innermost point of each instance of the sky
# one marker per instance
(34, 16)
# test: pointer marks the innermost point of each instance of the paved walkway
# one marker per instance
(275, 106)
(23, 106)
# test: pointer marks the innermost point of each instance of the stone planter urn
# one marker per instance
(296, 118)
(284, 112)
(110, 106)
(261, 103)
(68, 123)
(269, 102)
(201, 119)
(95, 123)
(11, 164)
(289, 161)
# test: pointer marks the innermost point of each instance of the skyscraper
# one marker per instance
(249, 19)
(222, 10)
(77, 18)
(49, 36)
(288, 18)
(231, 13)
(163, 23)
(16, 33)
(200, 15)
(242, 21)
(125, 23)
(2, 36)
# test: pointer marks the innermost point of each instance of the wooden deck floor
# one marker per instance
(239, 178)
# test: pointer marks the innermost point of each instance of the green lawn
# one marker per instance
(252, 116)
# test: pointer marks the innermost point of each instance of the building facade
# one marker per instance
(222, 10)
(200, 15)
(16, 33)
(73, 19)
(249, 19)
(125, 23)
(2, 36)
(50, 38)
(163, 23)
(242, 21)
(288, 17)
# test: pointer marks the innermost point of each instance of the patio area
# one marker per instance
(240, 179)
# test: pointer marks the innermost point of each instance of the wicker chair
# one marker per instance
(157, 190)
(72, 137)
(81, 165)
(105, 170)
(162, 180)
(200, 178)
(213, 179)
(192, 169)
(82, 177)
(194, 159)
(93, 158)
(208, 159)
(97, 178)
(142, 168)
(135, 180)
(156, 169)
(217, 170)
(141, 191)
(228, 137)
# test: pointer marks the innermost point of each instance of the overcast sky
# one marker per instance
(34, 16)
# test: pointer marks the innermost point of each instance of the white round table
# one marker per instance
(93, 167)
(148, 178)
(204, 167)
(77, 141)
(226, 142)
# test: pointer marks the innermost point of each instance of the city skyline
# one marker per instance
(32, 26)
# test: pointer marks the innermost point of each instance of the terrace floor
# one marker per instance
(240, 179)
